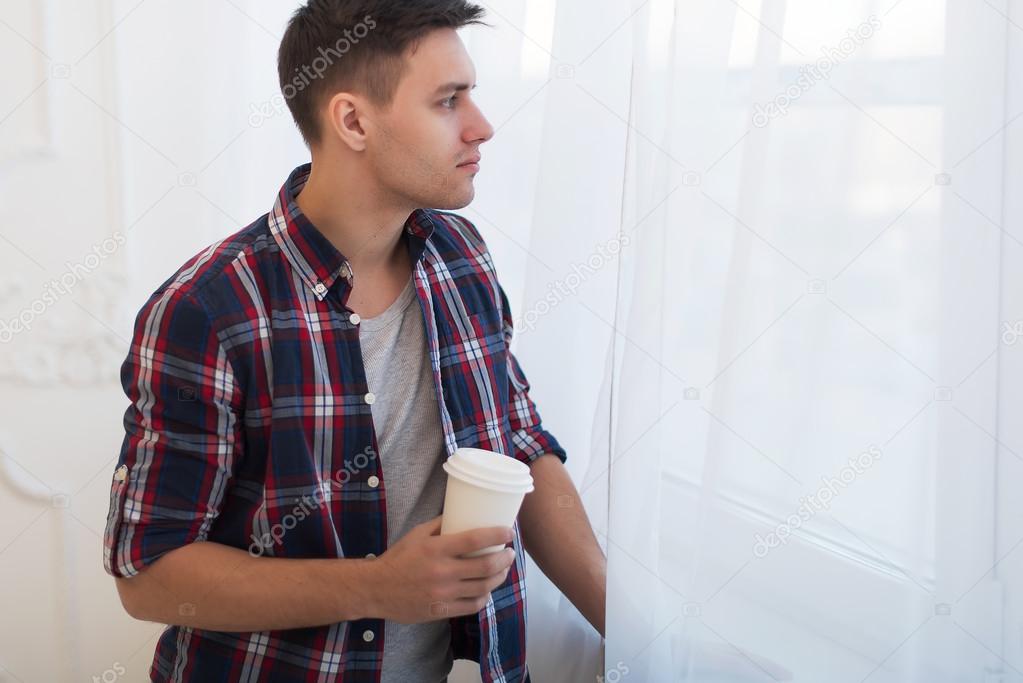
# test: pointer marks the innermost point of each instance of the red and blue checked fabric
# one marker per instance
(250, 425)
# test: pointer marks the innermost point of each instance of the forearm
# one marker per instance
(217, 587)
(558, 536)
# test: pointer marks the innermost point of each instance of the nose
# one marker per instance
(478, 129)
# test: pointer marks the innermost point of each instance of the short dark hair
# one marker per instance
(356, 45)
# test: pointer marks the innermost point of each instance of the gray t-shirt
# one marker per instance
(411, 445)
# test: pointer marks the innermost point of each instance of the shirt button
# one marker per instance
(367, 635)
(370, 556)
(320, 288)
(373, 481)
(370, 397)
(122, 473)
(354, 319)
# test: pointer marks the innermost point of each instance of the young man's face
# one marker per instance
(420, 145)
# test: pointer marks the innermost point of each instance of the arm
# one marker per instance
(181, 446)
(557, 535)
(422, 577)
(216, 587)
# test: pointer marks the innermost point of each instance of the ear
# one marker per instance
(344, 114)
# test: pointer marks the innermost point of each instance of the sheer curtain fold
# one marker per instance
(566, 328)
(806, 444)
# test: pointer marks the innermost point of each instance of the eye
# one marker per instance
(449, 102)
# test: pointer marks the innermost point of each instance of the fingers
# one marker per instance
(476, 539)
(462, 606)
(483, 566)
(474, 588)
(469, 597)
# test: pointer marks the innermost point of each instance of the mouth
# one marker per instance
(473, 163)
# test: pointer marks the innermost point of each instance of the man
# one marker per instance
(296, 387)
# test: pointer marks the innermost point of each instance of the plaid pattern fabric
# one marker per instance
(250, 425)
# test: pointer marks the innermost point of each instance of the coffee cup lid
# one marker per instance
(490, 469)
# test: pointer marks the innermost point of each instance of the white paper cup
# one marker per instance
(484, 489)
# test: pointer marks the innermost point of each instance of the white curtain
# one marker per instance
(792, 387)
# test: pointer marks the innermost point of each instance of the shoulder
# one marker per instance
(210, 270)
(460, 231)
(472, 265)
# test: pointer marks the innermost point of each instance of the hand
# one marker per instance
(423, 577)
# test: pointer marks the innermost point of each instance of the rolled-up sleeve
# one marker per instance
(181, 440)
(529, 438)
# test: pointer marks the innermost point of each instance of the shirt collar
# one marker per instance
(317, 261)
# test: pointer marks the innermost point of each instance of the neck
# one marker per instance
(361, 222)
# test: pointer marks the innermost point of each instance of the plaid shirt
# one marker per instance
(249, 400)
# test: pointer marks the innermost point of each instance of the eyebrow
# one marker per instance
(457, 87)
